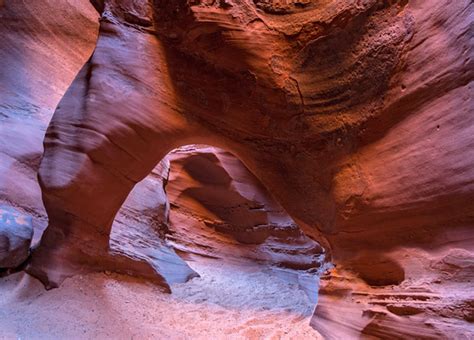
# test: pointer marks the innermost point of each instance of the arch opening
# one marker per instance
(200, 207)
(213, 194)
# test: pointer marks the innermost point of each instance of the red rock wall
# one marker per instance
(356, 116)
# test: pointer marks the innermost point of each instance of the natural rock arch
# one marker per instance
(342, 124)
(88, 164)
(203, 200)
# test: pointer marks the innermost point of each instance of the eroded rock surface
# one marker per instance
(219, 209)
(357, 116)
(139, 230)
(41, 51)
(44, 44)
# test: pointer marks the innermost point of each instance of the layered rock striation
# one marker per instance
(219, 209)
(357, 117)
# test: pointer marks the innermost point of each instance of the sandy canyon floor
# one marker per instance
(228, 301)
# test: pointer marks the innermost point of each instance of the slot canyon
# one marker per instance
(236, 169)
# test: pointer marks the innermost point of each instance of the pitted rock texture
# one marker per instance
(16, 232)
(357, 116)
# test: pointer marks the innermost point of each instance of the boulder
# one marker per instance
(16, 232)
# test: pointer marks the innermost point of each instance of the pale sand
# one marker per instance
(228, 301)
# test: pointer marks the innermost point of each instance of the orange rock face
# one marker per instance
(356, 116)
